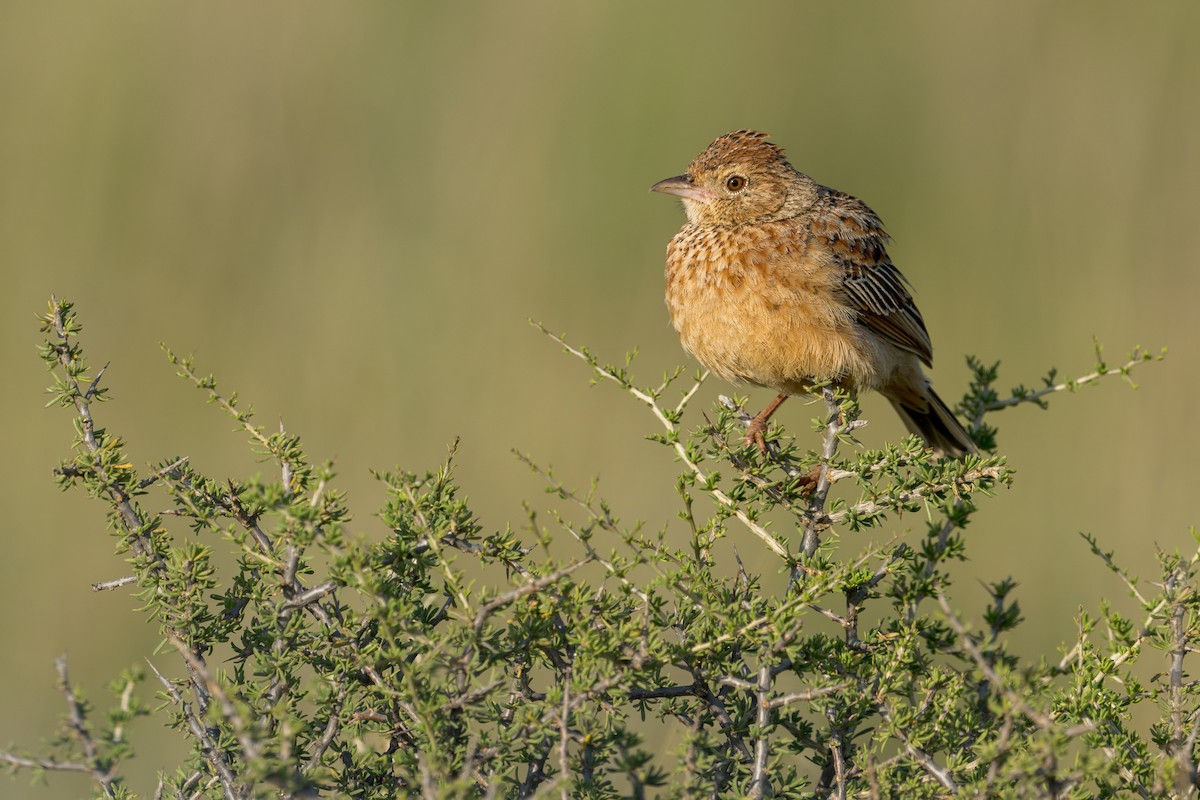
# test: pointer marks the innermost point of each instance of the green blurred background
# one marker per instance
(350, 211)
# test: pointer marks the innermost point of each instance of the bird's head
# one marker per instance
(741, 177)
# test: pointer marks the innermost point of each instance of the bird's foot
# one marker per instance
(757, 429)
(809, 481)
(755, 435)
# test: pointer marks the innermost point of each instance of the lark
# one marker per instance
(780, 282)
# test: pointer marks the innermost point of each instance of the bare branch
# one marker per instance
(311, 596)
(23, 762)
(150, 480)
(116, 583)
(760, 783)
(834, 427)
(804, 697)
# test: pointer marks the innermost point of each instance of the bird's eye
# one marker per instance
(735, 183)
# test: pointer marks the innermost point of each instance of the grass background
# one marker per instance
(350, 211)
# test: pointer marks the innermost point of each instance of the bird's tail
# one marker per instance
(937, 425)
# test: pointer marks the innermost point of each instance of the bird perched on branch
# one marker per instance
(781, 282)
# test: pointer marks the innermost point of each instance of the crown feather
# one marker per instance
(739, 147)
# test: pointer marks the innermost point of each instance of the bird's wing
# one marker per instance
(873, 286)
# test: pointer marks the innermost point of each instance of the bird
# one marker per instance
(780, 282)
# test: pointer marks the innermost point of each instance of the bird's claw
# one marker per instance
(755, 436)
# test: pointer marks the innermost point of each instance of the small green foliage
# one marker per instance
(589, 657)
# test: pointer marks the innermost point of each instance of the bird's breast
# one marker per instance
(758, 304)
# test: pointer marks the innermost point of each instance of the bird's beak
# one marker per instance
(682, 186)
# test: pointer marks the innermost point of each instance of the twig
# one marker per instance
(564, 738)
(250, 745)
(1152, 613)
(332, 727)
(1091, 377)
(452, 583)
(687, 396)
(673, 430)
(665, 692)
(903, 460)
(150, 480)
(967, 480)
(834, 426)
(22, 762)
(474, 696)
(78, 725)
(498, 602)
(1175, 698)
(1001, 753)
(942, 776)
(311, 595)
(116, 583)
(118, 733)
(1042, 720)
(212, 753)
(760, 785)
(804, 697)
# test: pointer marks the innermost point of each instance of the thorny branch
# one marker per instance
(673, 432)
(215, 755)
(1138, 358)
(138, 528)
(835, 427)
(81, 733)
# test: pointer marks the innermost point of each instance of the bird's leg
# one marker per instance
(758, 425)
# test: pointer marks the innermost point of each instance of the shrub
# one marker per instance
(587, 657)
